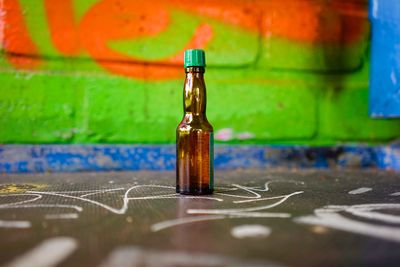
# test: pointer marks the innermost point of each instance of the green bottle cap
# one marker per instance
(195, 58)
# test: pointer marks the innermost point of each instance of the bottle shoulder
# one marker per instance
(199, 124)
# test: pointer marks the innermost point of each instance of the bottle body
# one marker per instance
(194, 139)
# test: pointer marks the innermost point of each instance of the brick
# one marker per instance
(268, 109)
(344, 117)
(37, 108)
(134, 32)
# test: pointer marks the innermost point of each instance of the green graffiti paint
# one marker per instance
(274, 89)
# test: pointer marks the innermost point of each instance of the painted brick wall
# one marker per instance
(110, 71)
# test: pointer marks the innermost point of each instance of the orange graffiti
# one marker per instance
(129, 20)
(17, 41)
(62, 25)
(317, 22)
(297, 20)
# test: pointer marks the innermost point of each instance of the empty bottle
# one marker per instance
(194, 135)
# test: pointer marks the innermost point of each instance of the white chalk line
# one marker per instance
(230, 211)
(260, 215)
(102, 191)
(234, 213)
(250, 231)
(170, 223)
(360, 190)
(15, 224)
(258, 199)
(37, 197)
(328, 216)
(121, 210)
(133, 256)
(216, 214)
(175, 196)
(125, 199)
(77, 208)
(367, 211)
(49, 253)
(253, 190)
(63, 216)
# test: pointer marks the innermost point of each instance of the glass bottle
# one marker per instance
(194, 135)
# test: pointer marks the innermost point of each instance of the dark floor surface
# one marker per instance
(255, 218)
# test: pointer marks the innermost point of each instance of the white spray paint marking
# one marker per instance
(168, 196)
(366, 211)
(260, 215)
(250, 230)
(375, 8)
(123, 257)
(15, 224)
(84, 191)
(61, 216)
(77, 208)
(131, 256)
(393, 77)
(253, 191)
(166, 224)
(224, 134)
(49, 253)
(125, 198)
(395, 194)
(360, 190)
(36, 197)
(216, 214)
(101, 191)
(329, 216)
(258, 199)
(121, 210)
(283, 198)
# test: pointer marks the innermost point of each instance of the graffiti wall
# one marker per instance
(106, 71)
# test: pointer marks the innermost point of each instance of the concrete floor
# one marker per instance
(255, 218)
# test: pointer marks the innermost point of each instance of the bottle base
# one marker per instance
(194, 191)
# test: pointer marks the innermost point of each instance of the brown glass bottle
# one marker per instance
(194, 138)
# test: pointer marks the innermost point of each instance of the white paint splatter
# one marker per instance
(123, 209)
(124, 257)
(375, 8)
(49, 253)
(225, 134)
(360, 190)
(61, 216)
(368, 211)
(393, 77)
(134, 257)
(250, 230)
(216, 214)
(329, 216)
(283, 198)
(77, 208)
(36, 197)
(101, 192)
(395, 194)
(166, 224)
(15, 224)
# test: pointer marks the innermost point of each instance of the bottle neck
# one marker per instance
(194, 98)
